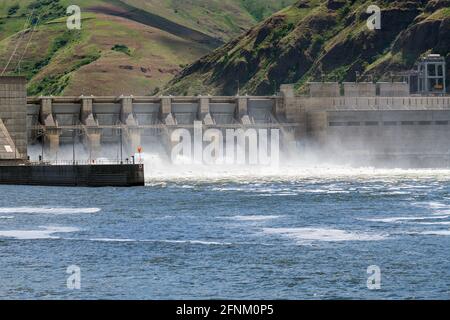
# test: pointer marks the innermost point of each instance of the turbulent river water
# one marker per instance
(239, 233)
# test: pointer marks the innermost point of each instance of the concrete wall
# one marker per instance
(360, 89)
(13, 112)
(324, 89)
(393, 89)
(388, 132)
(357, 89)
(372, 103)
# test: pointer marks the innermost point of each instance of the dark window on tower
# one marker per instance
(440, 73)
(431, 70)
(337, 124)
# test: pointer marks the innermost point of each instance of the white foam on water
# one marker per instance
(152, 241)
(439, 207)
(158, 170)
(251, 188)
(6, 217)
(436, 233)
(395, 193)
(41, 233)
(112, 240)
(209, 243)
(442, 223)
(254, 218)
(400, 219)
(48, 210)
(323, 234)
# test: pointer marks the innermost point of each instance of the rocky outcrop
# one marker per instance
(312, 40)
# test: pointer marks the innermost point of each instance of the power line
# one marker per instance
(18, 42)
(38, 20)
(28, 42)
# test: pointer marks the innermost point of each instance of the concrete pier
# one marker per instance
(13, 113)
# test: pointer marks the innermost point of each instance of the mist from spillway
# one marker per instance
(158, 170)
(298, 164)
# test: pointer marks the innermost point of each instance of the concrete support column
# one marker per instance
(52, 141)
(92, 141)
(132, 133)
(287, 100)
(293, 110)
(92, 133)
(126, 113)
(46, 113)
(52, 133)
(87, 116)
(133, 139)
(242, 111)
(167, 119)
(166, 111)
(204, 113)
(287, 109)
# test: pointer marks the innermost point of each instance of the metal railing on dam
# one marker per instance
(97, 162)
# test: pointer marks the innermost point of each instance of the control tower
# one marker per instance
(431, 75)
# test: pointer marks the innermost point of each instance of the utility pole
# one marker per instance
(15, 146)
(73, 146)
(43, 143)
(121, 145)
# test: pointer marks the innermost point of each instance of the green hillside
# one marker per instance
(223, 19)
(321, 39)
(130, 46)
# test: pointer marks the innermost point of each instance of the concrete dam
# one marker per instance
(368, 121)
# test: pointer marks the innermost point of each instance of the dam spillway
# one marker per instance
(350, 119)
(136, 121)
